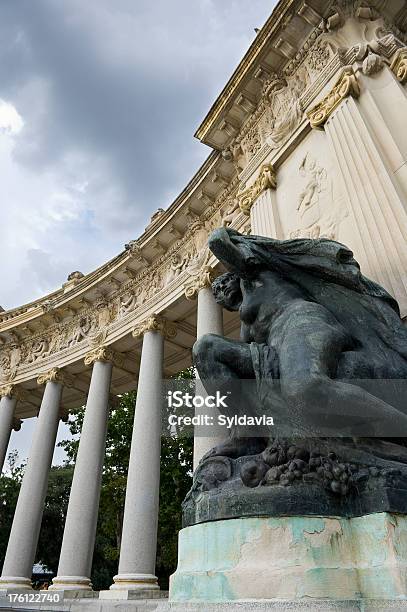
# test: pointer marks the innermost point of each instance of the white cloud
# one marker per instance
(10, 121)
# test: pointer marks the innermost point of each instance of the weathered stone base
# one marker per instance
(154, 605)
(293, 558)
(311, 605)
(129, 594)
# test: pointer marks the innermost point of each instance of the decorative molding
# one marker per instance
(399, 65)
(266, 180)
(56, 375)
(202, 281)
(13, 391)
(157, 324)
(105, 354)
(347, 85)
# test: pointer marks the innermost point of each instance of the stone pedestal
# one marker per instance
(296, 558)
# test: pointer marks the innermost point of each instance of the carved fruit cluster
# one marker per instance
(284, 465)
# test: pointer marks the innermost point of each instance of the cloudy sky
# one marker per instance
(99, 100)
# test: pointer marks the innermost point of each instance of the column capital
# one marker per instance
(157, 324)
(13, 391)
(346, 85)
(104, 354)
(267, 179)
(203, 280)
(56, 375)
(399, 65)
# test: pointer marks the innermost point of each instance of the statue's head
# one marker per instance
(227, 292)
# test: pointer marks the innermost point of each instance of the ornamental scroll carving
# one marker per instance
(56, 375)
(266, 180)
(347, 85)
(399, 65)
(203, 280)
(158, 324)
(13, 391)
(104, 354)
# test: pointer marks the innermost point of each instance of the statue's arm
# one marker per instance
(221, 245)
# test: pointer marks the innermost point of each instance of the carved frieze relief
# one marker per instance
(319, 213)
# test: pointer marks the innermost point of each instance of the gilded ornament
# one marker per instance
(347, 85)
(56, 375)
(13, 391)
(105, 354)
(266, 180)
(202, 281)
(399, 65)
(156, 324)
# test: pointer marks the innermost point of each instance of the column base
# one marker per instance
(15, 583)
(133, 582)
(71, 583)
(133, 594)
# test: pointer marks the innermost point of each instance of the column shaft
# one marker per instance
(20, 555)
(7, 407)
(209, 321)
(139, 538)
(264, 215)
(78, 542)
(374, 198)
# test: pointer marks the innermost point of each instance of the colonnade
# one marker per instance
(136, 568)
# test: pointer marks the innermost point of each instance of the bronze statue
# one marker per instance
(325, 350)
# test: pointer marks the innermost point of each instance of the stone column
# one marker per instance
(375, 200)
(209, 321)
(75, 562)
(139, 536)
(9, 394)
(22, 544)
(259, 201)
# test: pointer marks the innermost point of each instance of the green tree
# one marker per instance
(53, 520)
